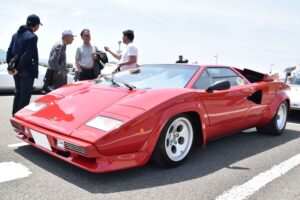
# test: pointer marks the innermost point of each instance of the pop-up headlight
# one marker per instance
(104, 123)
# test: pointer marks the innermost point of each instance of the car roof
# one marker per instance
(191, 65)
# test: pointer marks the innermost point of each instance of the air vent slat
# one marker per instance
(75, 148)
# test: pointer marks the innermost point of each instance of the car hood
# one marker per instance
(70, 107)
(64, 114)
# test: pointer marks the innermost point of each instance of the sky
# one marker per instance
(255, 34)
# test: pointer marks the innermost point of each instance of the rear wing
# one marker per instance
(254, 76)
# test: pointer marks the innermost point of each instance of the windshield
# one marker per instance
(156, 76)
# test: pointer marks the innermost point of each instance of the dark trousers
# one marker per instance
(23, 90)
(59, 79)
(54, 79)
(86, 74)
(48, 80)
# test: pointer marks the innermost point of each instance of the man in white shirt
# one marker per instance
(85, 57)
(128, 58)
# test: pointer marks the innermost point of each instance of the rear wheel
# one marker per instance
(175, 142)
(277, 125)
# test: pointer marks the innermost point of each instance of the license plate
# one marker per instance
(40, 140)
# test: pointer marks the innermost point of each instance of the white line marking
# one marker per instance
(18, 145)
(249, 130)
(11, 170)
(293, 123)
(247, 189)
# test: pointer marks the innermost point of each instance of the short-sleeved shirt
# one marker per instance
(84, 55)
(130, 50)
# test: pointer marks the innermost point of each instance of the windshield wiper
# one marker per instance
(110, 80)
(131, 87)
(115, 81)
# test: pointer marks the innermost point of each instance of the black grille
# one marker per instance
(75, 148)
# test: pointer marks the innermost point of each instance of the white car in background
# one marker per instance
(7, 83)
(294, 93)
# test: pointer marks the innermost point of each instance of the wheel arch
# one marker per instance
(270, 111)
(159, 154)
(197, 114)
(196, 122)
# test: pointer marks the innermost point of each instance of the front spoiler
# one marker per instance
(92, 161)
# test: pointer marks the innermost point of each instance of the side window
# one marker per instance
(203, 82)
(224, 73)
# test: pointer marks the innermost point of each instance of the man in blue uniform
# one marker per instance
(23, 49)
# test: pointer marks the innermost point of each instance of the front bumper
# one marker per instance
(77, 152)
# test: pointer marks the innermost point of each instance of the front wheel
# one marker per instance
(277, 125)
(175, 142)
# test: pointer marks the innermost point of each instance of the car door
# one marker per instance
(226, 109)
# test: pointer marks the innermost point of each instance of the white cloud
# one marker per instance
(78, 12)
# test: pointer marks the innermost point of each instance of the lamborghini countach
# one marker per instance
(157, 112)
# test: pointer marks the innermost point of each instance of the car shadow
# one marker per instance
(216, 155)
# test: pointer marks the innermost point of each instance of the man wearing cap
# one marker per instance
(23, 49)
(56, 75)
(128, 58)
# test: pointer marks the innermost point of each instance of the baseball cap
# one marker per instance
(67, 32)
(33, 19)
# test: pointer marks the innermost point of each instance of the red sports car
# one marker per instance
(157, 112)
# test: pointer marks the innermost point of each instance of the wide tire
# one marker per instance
(277, 125)
(175, 142)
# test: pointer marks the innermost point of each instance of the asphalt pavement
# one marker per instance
(212, 172)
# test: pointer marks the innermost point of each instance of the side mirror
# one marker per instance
(219, 85)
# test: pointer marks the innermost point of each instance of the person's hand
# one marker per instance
(117, 69)
(95, 56)
(107, 49)
(13, 72)
(79, 69)
(114, 72)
